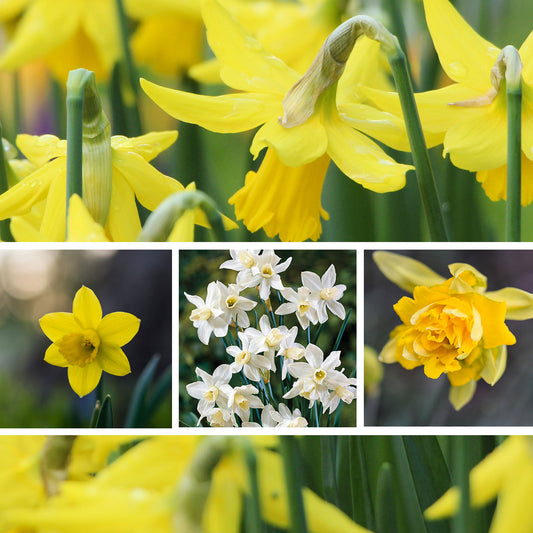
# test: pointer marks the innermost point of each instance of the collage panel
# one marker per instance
(267, 338)
(86, 338)
(447, 337)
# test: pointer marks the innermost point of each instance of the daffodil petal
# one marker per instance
(11, 9)
(86, 308)
(40, 149)
(519, 303)
(527, 119)
(230, 113)
(84, 380)
(294, 146)
(245, 64)
(460, 395)
(113, 360)
(53, 224)
(526, 55)
(361, 159)
(123, 219)
(24, 230)
(56, 325)
(81, 225)
(149, 185)
(34, 37)
(466, 57)
(183, 230)
(118, 328)
(147, 146)
(54, 357)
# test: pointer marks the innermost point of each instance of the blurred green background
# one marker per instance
(36, 282)
(408, 397)
(199, 267)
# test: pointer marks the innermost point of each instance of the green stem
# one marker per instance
(461, 521)
(131, 89)
(5, 233)
(514, 158)
(424, 172)
(252, 511)
(289, 452)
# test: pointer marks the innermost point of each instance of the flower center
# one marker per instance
(211, 394)
(79, 349)
(231, 301)
(243, 358)
(319, 375)
(266, 271)
(328, 293)
(246, 259)
(274, 337)
(303, 307)
(242, 402)
(201, 314)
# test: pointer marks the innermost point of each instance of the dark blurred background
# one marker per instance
(409, 397)
(198, 268)
(34, 283)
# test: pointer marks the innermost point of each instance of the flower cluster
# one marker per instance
(256, 352)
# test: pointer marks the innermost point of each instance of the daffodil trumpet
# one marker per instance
(89, 170)
(161, 222)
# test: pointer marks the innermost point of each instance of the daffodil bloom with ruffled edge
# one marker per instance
(470, 117)
(452, 326)
(283, 197)
(133, 178)
(506, 473)
(87, 343)
(66, 35)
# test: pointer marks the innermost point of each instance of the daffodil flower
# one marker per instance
(66, 35)
(470, 116)
(234, 305)
(87, 343)
(506, 473)
(326, 293)
(212, 389)
(43, 191)
(283, 197)
(451, 326)
(300, 304)
(247, 358)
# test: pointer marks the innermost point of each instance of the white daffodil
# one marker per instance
(213, 389)
(325, 292)
(247, 357)
(208, 316)
(265, 274)
(290, 351)
(345, 390)
(266, 419)
(234, 305)
(286, 419)
(315, 376)
(241, 261)
(301, 304)
(219, 417)
(242, 399)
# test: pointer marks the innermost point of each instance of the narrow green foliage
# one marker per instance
(105, 414)
(385, 516)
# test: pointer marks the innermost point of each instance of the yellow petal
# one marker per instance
(56, 325)
(53, 223)
(466, 57)
(118, 328)
(406, 272)
(527, 119)
(223, 114)
(495, 332)
(86, 308)
(294, 146)
(81, 225)
(147, 146)
(123, 219)
(24, 230)
(12, 8)
(460, 395)
(113, 360)
(494, 363)
(526, 55)
(40, 149)
(245, 64)
(54, 357)
(83, 380)
(519, 303)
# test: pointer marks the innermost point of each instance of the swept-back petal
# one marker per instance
(123, 221)
(113, 360)
(519, 303)
(86, 308)
(229, 113)
(54, 357)
(118, 328)
(83, 380)
(294, 146)
(57, 325)
(245, 64)
(147, 146)
(465, 56)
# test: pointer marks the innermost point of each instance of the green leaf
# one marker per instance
(105, 414)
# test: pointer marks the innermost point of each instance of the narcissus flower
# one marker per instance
(506, 473)
(470, 116)
(283, 197)
(66, 35)
(87, 343)
(451, 326)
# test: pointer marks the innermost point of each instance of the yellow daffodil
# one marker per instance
(507, 473)
(303, 136)
(40, 196)
(88, 343)
(66, 35)
(470, 116)
(451, 326)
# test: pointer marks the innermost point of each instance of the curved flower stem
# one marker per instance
(424, 172)
(161, 222)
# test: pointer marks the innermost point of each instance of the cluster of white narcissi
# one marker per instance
(252, 351)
